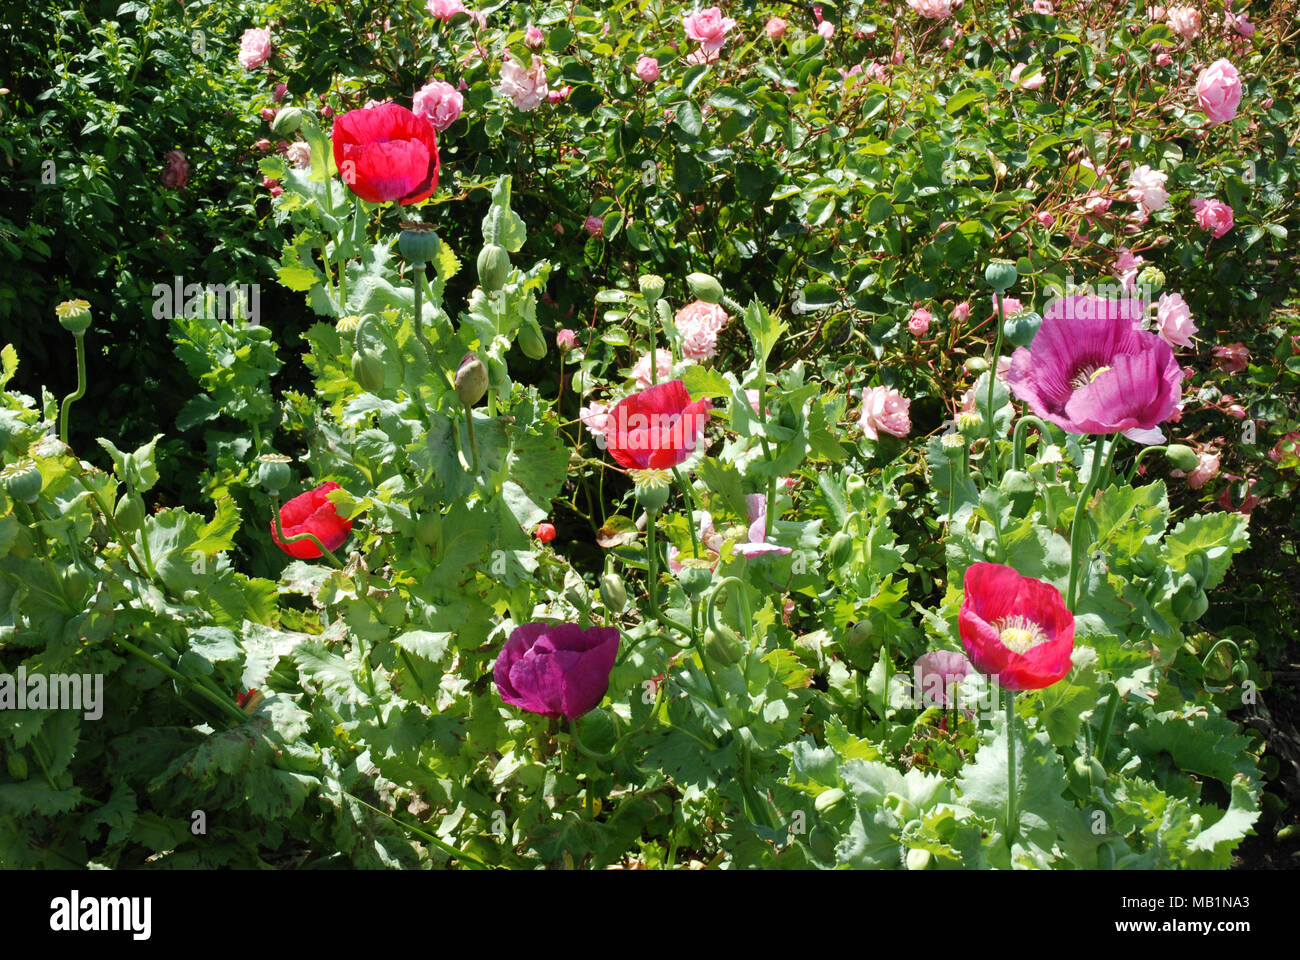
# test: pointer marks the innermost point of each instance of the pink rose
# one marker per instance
(1147, 187)
(1045, 219)
(708, 28)
(1218, 89)
(176, 169)
(1232, 358)
(439, 102)
(534, 38)
(700, 55)
(299, 154)
(826, 29)
(555, 96)
(263, 145)
(775, 28)
(1174, 317)
(254, 47)
(884, 410)
(280, 90)
(1164, 60)
(1207, 468)
(1127, 266)
(595, 418)
(961, 311)
(919, 324)
(647, 68)
(1185, 21)
(444, 10)
(594, 225)
(269, 113)
(1032, 82)
(1011, 305)
(1238, 23)
(934, 9)
(1044, 7)
(1213, 215)
(527, 88)
(566, 339)
(699, 324)
(663, 369)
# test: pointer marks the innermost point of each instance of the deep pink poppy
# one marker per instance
(1016, 628)
(386, 153)
(313, 513)
(556, 669)
(656, 428)
(1091, 369)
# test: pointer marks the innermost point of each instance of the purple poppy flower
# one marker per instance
(1092, 369)
(756, 507)
(556, 669)
(937, 672)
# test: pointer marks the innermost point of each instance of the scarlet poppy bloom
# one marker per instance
(386, 153)
(1090, 369)
(312, 513)
(656, 429)
(545, 532)
(1016, 628)
(556, 669)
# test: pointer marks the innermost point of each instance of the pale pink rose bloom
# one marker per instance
(176, 169)
(1157, 12)
(664, 369)
(899, 57)
(555, 96)
(527, 88)
(1033, 82)
(879, 73)
(1232, 358)
(1045, 219)
(1127, 266)
(594, 225)
(534, 38)
(263, 145)
(1011, 305)
(1175, 320)
(1044, 7)
(884, 410)
(647, 68)
(595, 418)
(708, 28)
(826, 29)
(700, 55)
(699, 324)
(1164, 60)
(756, 508)
(445, 9)
(1238, 23)
(299, 154)
(1185, 21)
(1147, 187)
(440, 102)
(775, 28)
(934, 9)
(919, 324)
(752, 397)
(254, 47)
(566, 339)
(1213, 215)
(1207, 468)
(1218, 90)
(961, 312)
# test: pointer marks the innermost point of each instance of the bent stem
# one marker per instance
(1108, 721)
(1018, 439)
(1009, 696)
(72, 398)
(279, 533)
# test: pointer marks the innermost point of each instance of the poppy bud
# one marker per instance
(471, 380)
(840, 549)
(705, 287)
(976, 364)
(613, 593)
(129, 512)
(695, 580)
(723, 645)
(531, 341)
(493, 267)
(1181, 456)
(1198, 568)
(428, 530)
(1190, 603)
(368, 371)
(287, 121)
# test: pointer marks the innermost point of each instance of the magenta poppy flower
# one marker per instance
(312, 512)
(556, 669)
(386, 153)
(656, 428)
(1091, 369)
(1015, 628)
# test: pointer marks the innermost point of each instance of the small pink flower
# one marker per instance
(647, 68)
(699, 324)
(263, 145)
(708, 28)
(1218, 90)
(700, 55)
(1147, 187)
(752, 397)
(934, 9)
(439, 102)
(299, 154)
(961, 312)
(1045, 219)
(594, 225)
(1185, 21)
(1032, 82)
(176, 169)
(254, 47)
(326, 112)
(1232, 358)
(664, 369)
(534, 38)
(919, 324)
(878, 72)
(556, 96)
(269, 113)
(444, 10)
(1127, 266)
(280, 90)
(595, 418)
(1012, 306)
(1207, 468)
(775, 28)
(826, 29)
(527, 88)
(566, 339)
(1238, 23)
(1164, 60)
(1174, 317)
(1212, 215)
(884, 410)
(937, 674)
(1044, 7)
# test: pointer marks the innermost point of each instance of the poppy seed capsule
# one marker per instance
(471, 380)
(23, 480)
(705, 287)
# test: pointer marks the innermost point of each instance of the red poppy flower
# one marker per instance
(656, 429)
(312, 513)
(1015, 627)
(386, 153)
(545, 532)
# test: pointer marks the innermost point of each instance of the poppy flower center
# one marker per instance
(1087, 374)
(1019, 634)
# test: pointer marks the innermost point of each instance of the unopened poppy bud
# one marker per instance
(368, 371)
(493, 267)
(1181, 456)
(471, 380)
(129, 512)
(428, 530)
(705, 287)
(695, 580)
(613, 593)
(531, 341)
(287, 121)
(723, 645)
(840, 549)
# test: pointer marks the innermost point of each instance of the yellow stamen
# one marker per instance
(1020, 634)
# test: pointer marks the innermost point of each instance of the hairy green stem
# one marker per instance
(80, 392)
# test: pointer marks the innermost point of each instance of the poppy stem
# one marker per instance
(1018, 439)
(652, 560)
(72, 398)
(993, 376)
(1013, 824)
(1107, 721)
(279, 535)
(689, 494)
(1078, 524)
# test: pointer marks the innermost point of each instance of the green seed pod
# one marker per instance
(23, 480)
(471, 380)
(368, 371)
(287, 121)
(840, 549)
(705, 287)
(1240, 672)
(74, 316)
(1020, 489)
(613, 593)
(16, 764)
(1096, 772)
(1198, 568)
(1001, 275)
(652, 287)
(531, 341)
(1190, 603)
(723, 645)
(918, 859)
(273, 471)
(695, 580)
(651, 497)
(1078, 776)
(428, 530)
(976, 365)
(418, 243)
(493, 267)
(1181, 456)
(129, 512)
(1022, 328)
